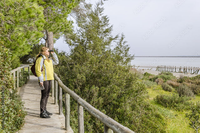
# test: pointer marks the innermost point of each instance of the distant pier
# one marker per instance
(174, 69)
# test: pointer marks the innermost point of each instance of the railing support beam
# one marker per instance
(56, 92)
(60, 101)
(52, 89)
(14, 81)
(17, 78)
(67, 111)
(80, 119)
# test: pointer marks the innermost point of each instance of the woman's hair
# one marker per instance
(42, 51)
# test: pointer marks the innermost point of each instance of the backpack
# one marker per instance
(33, 66)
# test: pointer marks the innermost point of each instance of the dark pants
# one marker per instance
(45, 95)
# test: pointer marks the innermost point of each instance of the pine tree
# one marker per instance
(101, 75)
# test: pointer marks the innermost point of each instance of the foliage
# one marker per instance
(21, 25)
(167, 87)
(56, 13)
(173, 101)
(164, 75)
(23, 78)
(195, 88)
(183, 90)
(101, 75)
(148, 83)
(31, 56)
(173, 83)
(194, 117)
(192, 80)
(159, 81)
(13, 107)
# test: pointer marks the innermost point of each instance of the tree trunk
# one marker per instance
(49, 40)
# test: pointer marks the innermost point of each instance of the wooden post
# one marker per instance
(28, 72)
(80, 119)
(60, 101)
(56, 92)
(52, 90)
(17, 78)
(14, 81)
(67, 111)
(107, 130)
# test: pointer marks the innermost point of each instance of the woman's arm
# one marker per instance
(55, 58)
(38, 67)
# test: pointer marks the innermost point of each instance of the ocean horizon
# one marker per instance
(178, 61)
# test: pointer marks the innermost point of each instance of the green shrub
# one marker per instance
(183, 90)
(173, 83)
(173, 101)
(194, 117)
(13, 107)
(159, 81)
(183, 79)
(166, 73)
(23, 78)
(147, 75)
(195, 88)
(167, 87)
(148, 83)
(165, 76)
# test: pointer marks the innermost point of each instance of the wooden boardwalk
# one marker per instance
(31, 94)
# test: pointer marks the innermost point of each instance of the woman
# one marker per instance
(44, 71)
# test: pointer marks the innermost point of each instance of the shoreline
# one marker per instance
(178, 75)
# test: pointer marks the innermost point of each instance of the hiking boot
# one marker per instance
(44, 115)
(48, 113)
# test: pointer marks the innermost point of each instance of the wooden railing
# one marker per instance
(110, 125)
(16, 74)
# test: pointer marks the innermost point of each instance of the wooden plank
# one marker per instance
(56, 92)
(67, 111)
(14, 81)
(28, 72)
(80, 119)
(18, 78)
(52, 89)
(60, 101)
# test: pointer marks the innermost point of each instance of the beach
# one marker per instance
(178, 75)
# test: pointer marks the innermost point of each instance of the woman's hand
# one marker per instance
(41, 83)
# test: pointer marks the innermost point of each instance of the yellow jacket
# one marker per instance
(47, 73)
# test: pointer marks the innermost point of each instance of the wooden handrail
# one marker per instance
(108, 122)
(18, 70)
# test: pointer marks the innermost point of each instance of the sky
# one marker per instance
(154, 27)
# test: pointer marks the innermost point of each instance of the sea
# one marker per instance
(178, 61)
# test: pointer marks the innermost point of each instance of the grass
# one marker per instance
(176, 120)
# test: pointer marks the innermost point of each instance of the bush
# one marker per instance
(194, 117)
(173, 101)
(164, 76)
(147, 75)
(183, 90)
(13, 107)
(183, 79)
(23, 78)
(195, 88)
(166, 73)
(159, 81)
(167, 87)
(148, 83)
(173, 83)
